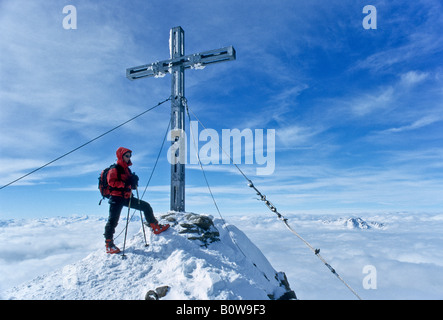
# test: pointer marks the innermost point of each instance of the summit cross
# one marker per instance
(176, 66)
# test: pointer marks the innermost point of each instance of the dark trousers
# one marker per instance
(116, 205)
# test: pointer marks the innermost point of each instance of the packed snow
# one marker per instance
(192, 265)
(399, 252)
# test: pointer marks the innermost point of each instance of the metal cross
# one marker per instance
(176, 66)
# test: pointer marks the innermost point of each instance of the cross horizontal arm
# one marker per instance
(196, 60)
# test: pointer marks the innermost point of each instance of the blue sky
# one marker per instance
(357, 113)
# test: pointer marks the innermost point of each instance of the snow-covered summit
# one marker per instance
(198, 258)
(354, 223)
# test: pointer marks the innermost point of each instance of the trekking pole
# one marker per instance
(126, 229)
(141, 218)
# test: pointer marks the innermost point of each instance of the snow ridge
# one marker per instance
(355, 223)
(229, 267)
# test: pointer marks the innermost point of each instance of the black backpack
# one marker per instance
(103, 186)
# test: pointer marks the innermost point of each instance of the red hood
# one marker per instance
(120, 152)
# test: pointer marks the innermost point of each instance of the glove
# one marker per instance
(134, 181)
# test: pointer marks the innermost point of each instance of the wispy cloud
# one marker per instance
(413, 77)
(420, 123)
(416, 26)
(367, 103)
(294, 136)
(299, 187)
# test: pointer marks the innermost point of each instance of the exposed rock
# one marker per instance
(198, 227)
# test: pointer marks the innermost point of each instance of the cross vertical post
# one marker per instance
(176, 66)
(177, 47)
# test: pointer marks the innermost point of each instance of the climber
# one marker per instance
(121, 182)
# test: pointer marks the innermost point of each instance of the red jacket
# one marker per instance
(120, 183)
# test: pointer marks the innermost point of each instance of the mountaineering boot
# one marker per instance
(110, 247)
(158, 228)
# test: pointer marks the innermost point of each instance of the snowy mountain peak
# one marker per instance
(197, 258)
(355, 223)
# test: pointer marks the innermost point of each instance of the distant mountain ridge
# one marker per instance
(355, 223)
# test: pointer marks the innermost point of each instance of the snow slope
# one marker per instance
(228, 266)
